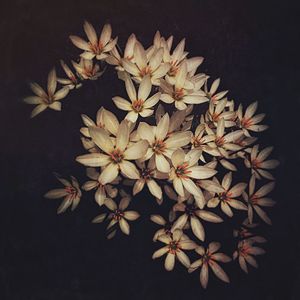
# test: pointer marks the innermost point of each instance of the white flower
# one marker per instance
(175, 243)
(117, 157)
(140, 104)
(245, 253)
(210, 258)
(47, 99)
(102, 191)
(71, 194)
(249, 122)
(185, 169)
(87, 70)
(144, 65)
(162, 145)
(95, 47)
(192, 214)
(211, 93)
(257, 199)
(119, 214)
(182, 92)
(226, 198)
(258, 163)
(72, 82)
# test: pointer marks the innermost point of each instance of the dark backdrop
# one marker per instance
(252, 45)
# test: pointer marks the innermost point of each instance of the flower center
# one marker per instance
(173, 247)
(246, 122)
(118, 214)
(178, 94)
(117, 156)
(158, 146)
(181, 170)
(137, 105)
(145, 71)
(146, 173)
(190, 210)
(220, 141)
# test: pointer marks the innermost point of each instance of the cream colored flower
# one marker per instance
(166, 226)
(245, 253)
(191, 215)
(102, 191)
(71, 194)
(117, 157)
(227, 197)
(249, 122)
(119, 215)
(71, 82)
(175, 243)
(161, 145)
(259, 165)
(140, 104)
(87, 70)
(185, 169)
(95, 47)
(210, 258)
(144, 65)
(47, 99)
(182, 92)
(257, 199)
(211, 93)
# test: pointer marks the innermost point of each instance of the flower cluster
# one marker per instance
(179, 138)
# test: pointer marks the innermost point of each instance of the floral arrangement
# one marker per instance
(180, 139)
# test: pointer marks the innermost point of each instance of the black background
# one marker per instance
(252, 45)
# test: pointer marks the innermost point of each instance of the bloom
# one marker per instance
(175, 243)
(95, 47)
(140, 103)
(47, 99)
(71, 194)
(210, 258)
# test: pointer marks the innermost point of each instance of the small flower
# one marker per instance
(95, 47)
(167, 226)
(72, 82)
(257, 199)
(245, 253)
(46, 99)
(192, 214)
(226, 198)
(259, 165)
(175, 243)
(249, 122)
(210, 258)
(118, 214)
(185, 169)
(144, 65)
(211, 93)
(140, 104)
(102, 191)
(162, 145)
(87, 70)
(71, 194)
(117, 157)
(182, 92)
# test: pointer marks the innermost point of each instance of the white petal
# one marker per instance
(109, 173)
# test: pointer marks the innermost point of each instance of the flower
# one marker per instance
(140, 103)
(226, 198)
(249, 122)
(102, 191)
(87, 70)
(160, 144)
(72, 82)
(182, 92)
(257, 199)
(118, 214)
(117, 157)
(185, 169)
(175, 243)
(167, 226)
(192, 214)
(71, 194)
(95, 47)
(211, 93)
(259, 165)
(245, 253)
(210, 258)
(144, 65)
(47, 99)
